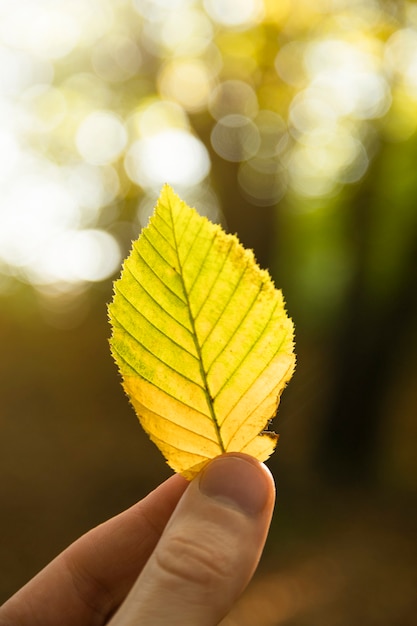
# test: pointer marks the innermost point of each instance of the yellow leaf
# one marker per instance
(201, 338)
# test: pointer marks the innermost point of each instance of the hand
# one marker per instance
(181, 556)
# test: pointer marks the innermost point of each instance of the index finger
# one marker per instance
(86, 583)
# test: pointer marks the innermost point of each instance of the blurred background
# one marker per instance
(294, 124)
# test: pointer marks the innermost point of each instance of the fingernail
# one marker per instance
(240, 482)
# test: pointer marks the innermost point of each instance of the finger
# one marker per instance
(209, 549)
(87, 582)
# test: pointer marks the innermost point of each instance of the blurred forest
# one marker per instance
(294, 124)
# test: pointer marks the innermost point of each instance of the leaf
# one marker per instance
(201, 338)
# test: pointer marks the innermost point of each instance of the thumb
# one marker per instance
(209, 550)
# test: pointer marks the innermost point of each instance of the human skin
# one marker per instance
(181, 556)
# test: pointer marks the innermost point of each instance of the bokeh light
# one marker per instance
(101, 138)
(263, 181)
(107, 101)
(43, 108)
(187, 81)
(184, 33)
(46, 31)
(235, 138)
(9, 153)
(244, 13)
(88, 255)
(233, 97)
(173, 156)
(20, 70)
(116, 57)
(348, 78)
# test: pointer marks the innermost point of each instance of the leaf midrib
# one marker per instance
(203, 374)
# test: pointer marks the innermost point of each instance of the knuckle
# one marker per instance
(197, 563)
(89, 589)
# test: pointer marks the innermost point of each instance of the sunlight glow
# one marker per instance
(156, 115)
(154, 9)
(98, 98)
(92, 188)
(43, 213)
(19, 70)
(45, 108)
(173, 156)
(172, 33)
(9, 153)
(101, 137)
(345, 82)
(51, 33)
(235, 13)
(316, 170)
(33, 213)
(348, 78)
(116, 58)
(77, 256)
(401, 57)
(188, 81)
